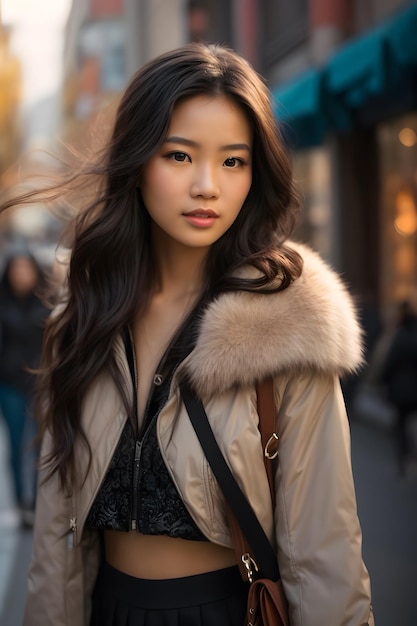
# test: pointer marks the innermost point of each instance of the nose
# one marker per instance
(205, 183)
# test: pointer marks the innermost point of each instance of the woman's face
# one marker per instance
(195, 185)
(22, 275)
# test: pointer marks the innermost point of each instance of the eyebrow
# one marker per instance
(194, 144)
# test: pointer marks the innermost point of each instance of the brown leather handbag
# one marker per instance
(267, 605)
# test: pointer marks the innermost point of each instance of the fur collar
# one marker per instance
(246, 337)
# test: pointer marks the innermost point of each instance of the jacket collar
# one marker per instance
(245, 337)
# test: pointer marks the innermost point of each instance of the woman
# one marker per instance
(22, 317)
(181, 269)
(399, 375)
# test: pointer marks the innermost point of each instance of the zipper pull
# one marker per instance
(72, 532)
(138, 449)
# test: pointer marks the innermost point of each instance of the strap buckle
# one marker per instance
(273, 443)
(249, 563)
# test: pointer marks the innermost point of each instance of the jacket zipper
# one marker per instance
(136, 473)
(72, 535)
(140, 442)
(136, 467)
(138, 445)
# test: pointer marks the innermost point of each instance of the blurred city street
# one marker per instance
(387, 506)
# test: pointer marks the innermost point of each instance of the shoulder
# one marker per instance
(245, 337)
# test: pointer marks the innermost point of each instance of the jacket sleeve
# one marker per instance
(54, 596)
(317, 528)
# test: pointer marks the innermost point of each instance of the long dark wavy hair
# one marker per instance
(110, 275)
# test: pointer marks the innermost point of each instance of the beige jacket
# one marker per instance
(305, 336)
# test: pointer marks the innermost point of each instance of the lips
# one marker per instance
(203, 213)
(201, 218)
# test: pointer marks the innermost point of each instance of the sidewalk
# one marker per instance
(14, 543)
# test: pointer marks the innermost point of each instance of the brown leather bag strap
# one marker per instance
(265, 403)
(267, 424)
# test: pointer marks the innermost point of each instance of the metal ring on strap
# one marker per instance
(272, 441)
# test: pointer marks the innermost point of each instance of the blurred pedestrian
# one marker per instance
(181, 273)
(399, 375)
(370, 320)
(22, 317)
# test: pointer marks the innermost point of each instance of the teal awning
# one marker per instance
(377, 64)
(298, 107)
(359, 69)
(372, 65)
(402, 39)
(300, 97)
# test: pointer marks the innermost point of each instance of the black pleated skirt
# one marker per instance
(213, 599)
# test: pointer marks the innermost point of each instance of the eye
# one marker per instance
(233, 162)
(180, 157)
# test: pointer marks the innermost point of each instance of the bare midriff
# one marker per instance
(160, 556)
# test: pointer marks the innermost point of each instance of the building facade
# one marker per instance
(351, 116)
(106, 42)
(10, 136)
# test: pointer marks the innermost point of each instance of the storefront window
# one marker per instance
(312, 175)
(398, 155)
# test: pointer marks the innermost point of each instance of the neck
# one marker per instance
(180, 273)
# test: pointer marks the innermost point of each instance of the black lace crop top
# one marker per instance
(138, 492)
